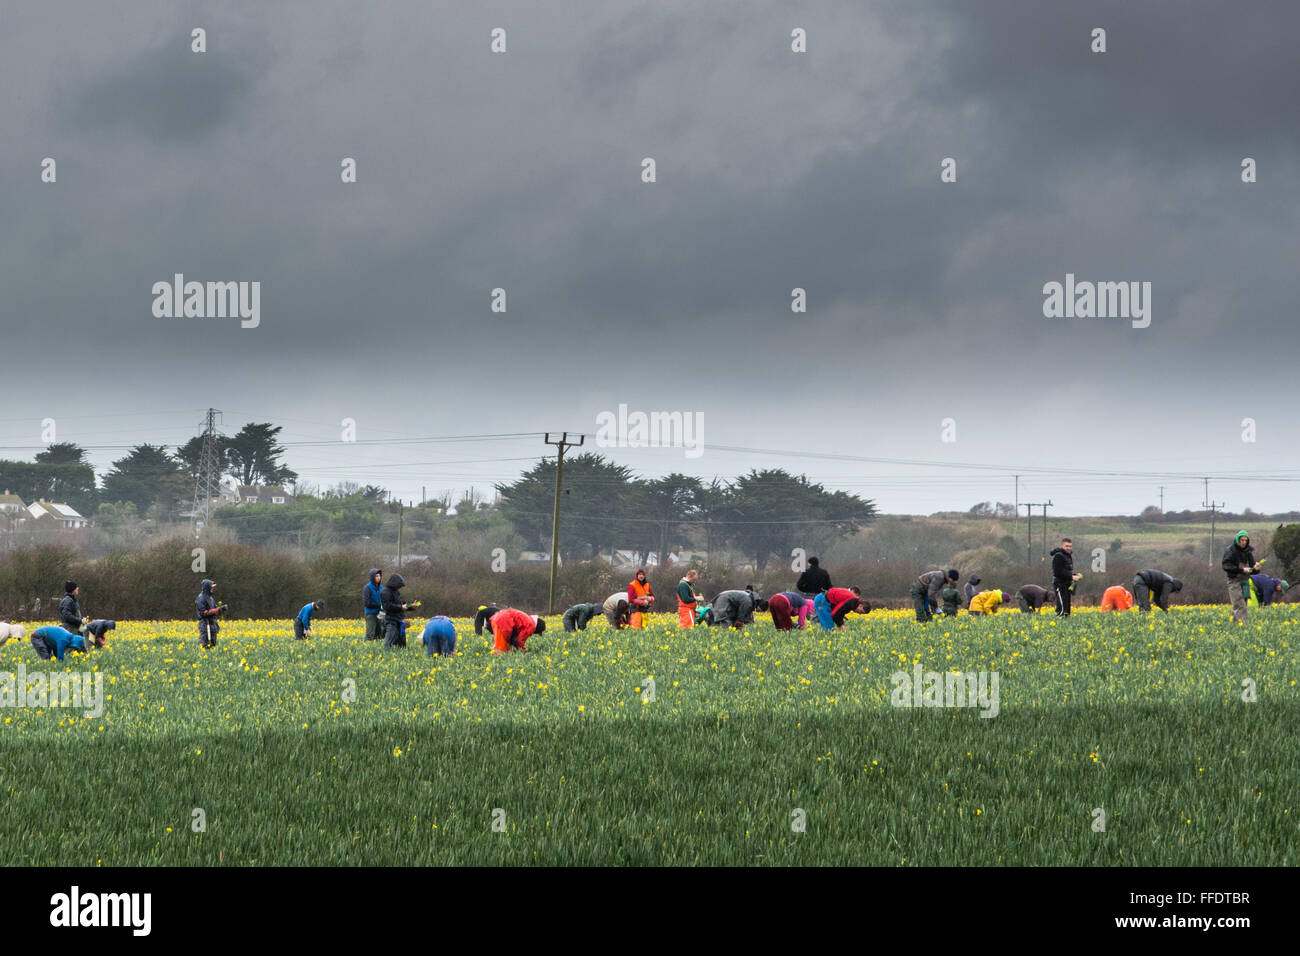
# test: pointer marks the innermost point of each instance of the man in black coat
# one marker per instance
(1063, 576)
(814, 579)
(1152, 582)
(1031, 598)
(70, 609)
(390, 599)
(1239, 564)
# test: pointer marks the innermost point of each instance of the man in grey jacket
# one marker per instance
(925, 592)
(1152, 582)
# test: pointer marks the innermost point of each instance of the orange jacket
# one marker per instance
(1116, 598)
(515, 626)
(637, 594)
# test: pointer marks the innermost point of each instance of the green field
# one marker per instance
(1142, 718)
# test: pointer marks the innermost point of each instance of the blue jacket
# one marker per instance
(305, 614)
(370, 594)
(1267, 585)
(60, 640)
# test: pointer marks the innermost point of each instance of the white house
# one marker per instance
(262, 495)
(65, 516)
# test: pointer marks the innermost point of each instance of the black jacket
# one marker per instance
(1234, 557)
(1035, 595)
(389, 598)
(1062, 567)
(70, 612)
(814, 580)
(483, 616)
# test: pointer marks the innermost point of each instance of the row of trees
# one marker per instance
(604, 506)
(149, 478)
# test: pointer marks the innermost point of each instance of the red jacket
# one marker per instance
(837, 596)
(517, 626)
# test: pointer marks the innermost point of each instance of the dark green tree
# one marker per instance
(252, 456)
(148, 476)
(593, 510)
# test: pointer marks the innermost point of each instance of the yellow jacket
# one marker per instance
(986, 602)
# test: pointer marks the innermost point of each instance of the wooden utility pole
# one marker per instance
(399, 533)
(1214, 507)
(1029, 532)
(562, 444)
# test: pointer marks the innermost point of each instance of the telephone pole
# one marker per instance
(1016, 526)
(400, 516)
(562, 444)
(1162, 499)
(1029, 532)
(1215, 507)
(207, 479)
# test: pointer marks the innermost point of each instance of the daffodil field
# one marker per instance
(662, 746)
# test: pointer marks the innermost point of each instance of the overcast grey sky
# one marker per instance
(775, 170)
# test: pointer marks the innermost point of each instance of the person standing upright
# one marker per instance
(1063, 576)
(1239, 564)
(814, 579)
(371, 603)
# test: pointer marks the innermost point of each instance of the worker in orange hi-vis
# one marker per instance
(511, 629)
(687, 599)
(640, 598)
(1116, 598)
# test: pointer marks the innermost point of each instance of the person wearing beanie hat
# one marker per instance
(1239, 564)
(484, 616)
(988, 602)
(925, 592)
(970, 589)
(1151, 583)
(640, 597)
(1265, 589)
(814, 579)
(70, 608)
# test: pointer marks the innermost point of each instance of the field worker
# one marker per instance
(799, 604)
(51, 640)
(1116, 598)
(208, 608)
(70, 609)
(779, 605)
(687, 599)
(822, 606)
(97, 631)
(11, 632)
(1265, 589)
(1152, 582)
(971, 590)
(390, 600)
(371, 604)
(439, 637)
(925, 591)
(511, 630)
(988, 602)
(578, 616)
(1239, 564)
(814, 579)
(640, 597)
(302, 622)
(844, 601)
(951, 599)
(736, 608)
(617, 610)
(485, 612)
(1030, 597)
(1063, 576)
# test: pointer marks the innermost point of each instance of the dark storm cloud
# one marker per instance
(775, 171)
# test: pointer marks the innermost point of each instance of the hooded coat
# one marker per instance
(1236, 557)
(58, 640)
(390, 599)
(372, 593)
(1062, 568)
(1267, 586)
(813, 580)
(971, 589)
(579, 616)
(734, 607)
(97, 630)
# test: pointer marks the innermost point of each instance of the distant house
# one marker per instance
(262, 495)
(627, 558)
(63, 516)
(11, 504)
(534, 557)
